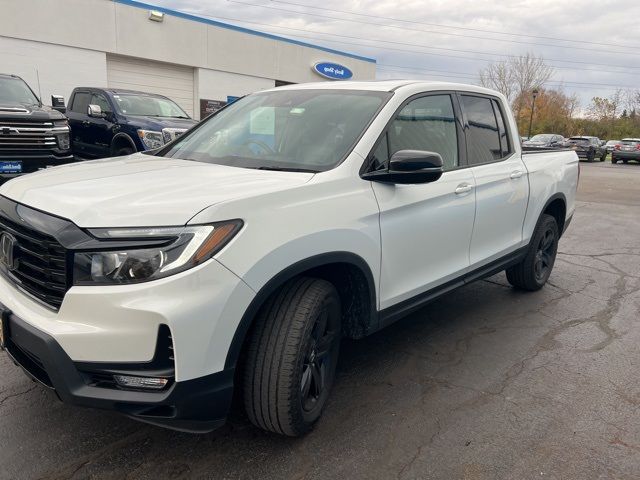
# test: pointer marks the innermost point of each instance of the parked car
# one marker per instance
(588, 148)
(237, 256)
(611, 145)
(545, 140)
(628, 149)
(108, 122)
(32, 135)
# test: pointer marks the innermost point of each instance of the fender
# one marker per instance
(124, 136)
(288, 273)
(554, 197)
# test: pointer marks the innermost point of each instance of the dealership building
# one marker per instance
(56, 45)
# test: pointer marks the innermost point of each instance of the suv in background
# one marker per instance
(112, 122)
(545, 140)
(588, 148)
(628, 149)
(611, 145)
(32, 135)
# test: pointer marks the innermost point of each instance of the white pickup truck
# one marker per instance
(237, 256)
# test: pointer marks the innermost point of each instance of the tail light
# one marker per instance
(616, 146)
(637, 146)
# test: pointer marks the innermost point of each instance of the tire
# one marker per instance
(613, 160)
(292, 356)
(603, 157)
(591, 156)
(534, 270)
(123, 151)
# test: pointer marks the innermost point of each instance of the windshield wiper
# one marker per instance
(286, 169)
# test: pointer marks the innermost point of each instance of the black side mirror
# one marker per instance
(410, 167)
(57, 103)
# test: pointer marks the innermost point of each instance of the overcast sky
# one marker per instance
(594, 46)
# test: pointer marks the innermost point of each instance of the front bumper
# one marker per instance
(198, 405)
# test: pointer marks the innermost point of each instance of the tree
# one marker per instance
(515, 76)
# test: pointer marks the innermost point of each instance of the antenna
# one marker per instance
(39, 90)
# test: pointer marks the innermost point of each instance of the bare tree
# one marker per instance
(499, 77)
(515, 76)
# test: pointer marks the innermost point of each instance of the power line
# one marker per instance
(423, 46)
(609, 52)
(469, 75)
(456, 27)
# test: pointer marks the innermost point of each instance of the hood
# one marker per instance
(141, 190)
(32, 112)
(158, 123)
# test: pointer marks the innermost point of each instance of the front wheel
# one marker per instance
(292, 356)
(534, 270)
(603, 157)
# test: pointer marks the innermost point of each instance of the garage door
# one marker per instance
(173, 81)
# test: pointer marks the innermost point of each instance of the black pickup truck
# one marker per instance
(32, 135)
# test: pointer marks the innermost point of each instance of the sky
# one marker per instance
(593, 46)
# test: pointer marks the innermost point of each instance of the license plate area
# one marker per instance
(11, 166)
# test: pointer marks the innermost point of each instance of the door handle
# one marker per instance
(463, 188)
(516, 174)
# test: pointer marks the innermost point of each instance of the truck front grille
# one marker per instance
(39, 265)
(28, 135)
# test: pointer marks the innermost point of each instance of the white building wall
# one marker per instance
(67, 41)
(216, 85)
(60, 69)
(112, 27)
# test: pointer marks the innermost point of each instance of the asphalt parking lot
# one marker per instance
(486, 383)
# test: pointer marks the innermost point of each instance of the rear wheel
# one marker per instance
(603, 157)
(292, 357)
(613, 160)
(534, 270)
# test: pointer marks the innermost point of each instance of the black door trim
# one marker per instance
(395, 312)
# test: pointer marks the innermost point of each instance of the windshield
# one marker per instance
(147, 106)
(14, 90)
(541, 138)
(303, 130)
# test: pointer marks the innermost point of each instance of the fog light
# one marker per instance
(141, 382)
(63, 141)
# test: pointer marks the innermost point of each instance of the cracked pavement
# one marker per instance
(485, 383)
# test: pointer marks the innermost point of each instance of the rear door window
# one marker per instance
(483, 134)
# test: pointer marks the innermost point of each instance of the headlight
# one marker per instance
(151, 139)
(63, 141)
(175, 250)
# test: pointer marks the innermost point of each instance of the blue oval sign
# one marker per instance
(333, 71)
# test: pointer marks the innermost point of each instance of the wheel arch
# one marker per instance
(121, 139)
(347, 271)
(556, 206)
